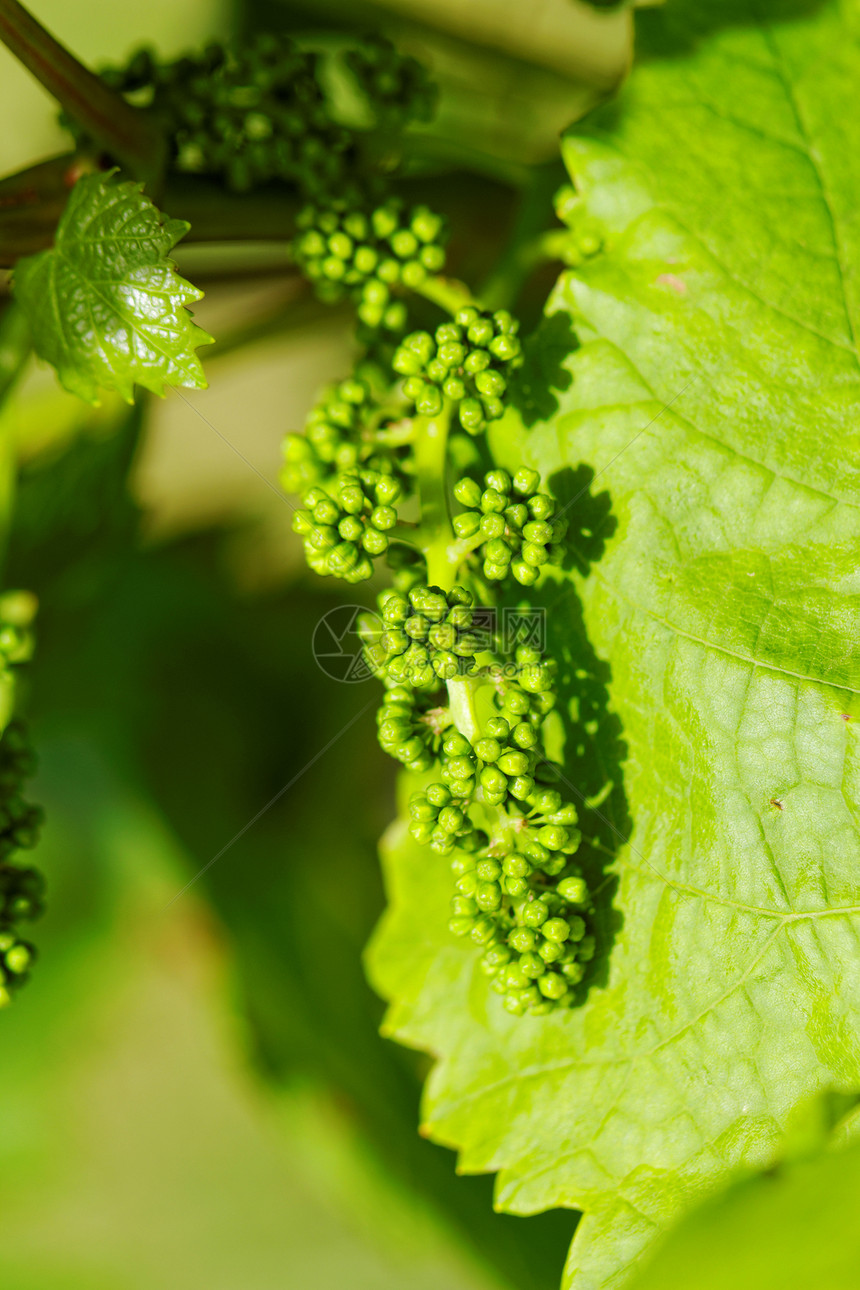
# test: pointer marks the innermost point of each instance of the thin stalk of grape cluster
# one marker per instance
(436, 539)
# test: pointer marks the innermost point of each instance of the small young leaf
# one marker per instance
(106, 306)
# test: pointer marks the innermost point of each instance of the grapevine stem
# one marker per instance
(461, 703)
(14, 348)
(530, 243)
(447, 293)
(14, 351)
(431, 459)
(126, 132)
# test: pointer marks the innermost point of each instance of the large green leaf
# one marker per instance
(715, 399)
(105, 304)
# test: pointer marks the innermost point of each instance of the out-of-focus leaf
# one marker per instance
(790, 1228)
(513, 76)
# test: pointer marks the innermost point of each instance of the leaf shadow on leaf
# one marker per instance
(591, 748)
(590, 522)
(594, 748)
(542, 373)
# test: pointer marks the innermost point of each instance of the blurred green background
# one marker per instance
(193, 1089)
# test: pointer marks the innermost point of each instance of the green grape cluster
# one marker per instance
(332, 438)
(490, 802)
(19, 821)
(440, 819)
(536, 949)
(21, 897)
(245, 113)
(426, 636)
(466, 361)
(519, 894)
(21, 888)
(506, 764)
(395, 86)
(340, 434)
(410, 728)
(370, 253)
(519, 525)
(347, 524)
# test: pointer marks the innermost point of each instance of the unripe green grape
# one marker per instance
(532, 965)
(552, 985)
(422, 831)
(468, 492)
(521, 787)
(536, 852)
(460, 768)
(497, 553)
(468, 883)
(491, 500)
(494, 782)
(513, 977)
(497, 957)
(586, 948)
(513, 1004)
(522, 939)
(488, 870)
(492, 525)
(483, 931)
(476, 362)
(556, 929)
(456, 745)
(574, 889)
(350, 528)
(534, 913)
(18, 959)
(488, 895)
(451, 819)
(576, 927)
(525, 737)
(374, 543)
(514, 763)
(499, 480)
(553, 836)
